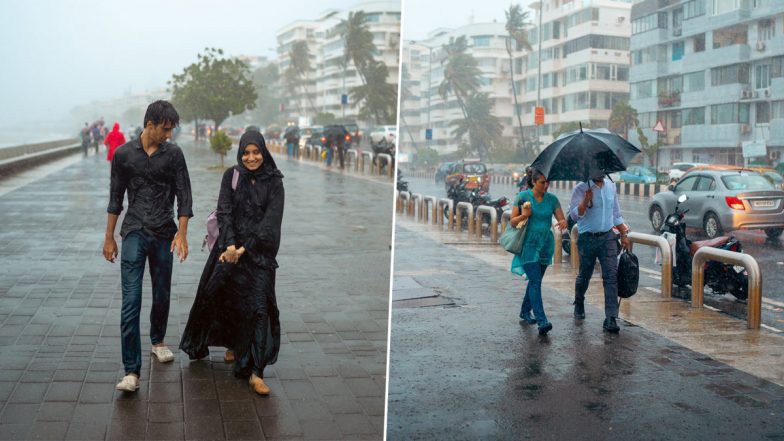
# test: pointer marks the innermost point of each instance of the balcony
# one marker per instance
(670, 99)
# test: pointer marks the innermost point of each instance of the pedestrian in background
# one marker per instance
(537, 207)
(594, 206)
(114, 139)
(235, 305)
(153, 172)
(84, 134)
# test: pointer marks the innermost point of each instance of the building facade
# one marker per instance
(329, 80)
(584, 64)
(710, 74)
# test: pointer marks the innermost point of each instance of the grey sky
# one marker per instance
(422, 16)
(58, 54)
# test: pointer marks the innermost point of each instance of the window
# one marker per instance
(731, 113)
(693, 8)
(705, 184)
(777, 109)
(646, 119)
(766, 29)
(730, 36)
(657, 20)
(699, 43)
(575, 101)
(763, 112)
(373, 18)
(643, 89)
(693, 117)
(677, 50)
(482, 41)
(596, 42)
(601, 72)
(724, 6)
(762, 76)
(576, 73)
(732, 74)
(686, 184)
(670, 85)
(694, 82)
(622, 73)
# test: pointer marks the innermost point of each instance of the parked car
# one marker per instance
(473, 172)
(443, 170)
(636, 174)
(771, 175)
(678, 169)
(722, 199)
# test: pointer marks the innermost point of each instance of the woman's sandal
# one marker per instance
(258, 385)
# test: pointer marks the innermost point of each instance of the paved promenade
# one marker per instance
(60, 315)
(462, 367)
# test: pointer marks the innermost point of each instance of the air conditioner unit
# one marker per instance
(754, 94)
(767, 92)
(774, 155)
(745, 93)
(745, 128)
(760, 46)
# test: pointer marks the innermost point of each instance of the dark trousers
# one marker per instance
(290, 149)
(341, 153)
(137, 248)
(533, 292)
(605, 248)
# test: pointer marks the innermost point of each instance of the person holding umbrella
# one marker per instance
(589, 156)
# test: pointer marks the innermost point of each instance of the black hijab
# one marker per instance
(267, 170)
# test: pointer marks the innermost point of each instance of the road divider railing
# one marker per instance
(754, 303)
(666, 253)
(493, 225)
(469, 209)
(448, 205)
(362, 162)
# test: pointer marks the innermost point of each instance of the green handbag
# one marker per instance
(513, 238)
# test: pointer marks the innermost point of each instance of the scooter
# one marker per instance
(401, 184)
(720, 277)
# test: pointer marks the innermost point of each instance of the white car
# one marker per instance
(382, 134)
(680, 168)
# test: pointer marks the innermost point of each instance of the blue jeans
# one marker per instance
(605, 248)
(329, 155)
(138, 247)
(533, 292)
(290, 147)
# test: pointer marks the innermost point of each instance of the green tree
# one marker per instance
(516, 24)
(461, 72)
(324, 118)
(300, 68)
(377, 98)
(213, 88)
(269, 98)
(426, 156)
(358, 43)
(482, 127)
(650, 150)
(220, 144)
(623, 118)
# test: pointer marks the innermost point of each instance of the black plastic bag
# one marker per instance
(628, 274)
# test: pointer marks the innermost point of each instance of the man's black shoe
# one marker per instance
(543, 330)
(611, 326)
(579, 310)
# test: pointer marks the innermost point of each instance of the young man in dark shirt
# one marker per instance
(152, 171)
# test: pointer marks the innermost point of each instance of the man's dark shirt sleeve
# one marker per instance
(117, 187)
(182, 183)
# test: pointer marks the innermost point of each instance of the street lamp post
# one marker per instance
(539, 73)
(429, 91)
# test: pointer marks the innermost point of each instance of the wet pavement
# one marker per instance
(462, 367)
(60, 315)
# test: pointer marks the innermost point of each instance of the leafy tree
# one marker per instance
(269, 98)
(650, 150)
(358, 42)
(516, 24)
(300, 67)
(220, 144)
(427, 156)
(623, 118)
(461, 72)
(213, 88)
(482, 127)
(324, 118)
(377, 97)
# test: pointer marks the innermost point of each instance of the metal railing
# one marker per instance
(666, 251)
(754, 303)
(413, 204)
(574, 254)
(403, 202)
(450, 206)
(459, 218)
(390, 166)
(349, 153)
(486, 209)
(424, 211)
(505, 217)
(362, 161)
(558, 251)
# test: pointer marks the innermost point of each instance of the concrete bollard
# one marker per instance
(369, 161)
(403, 201)
(413, 204)
(390, 165)
(450, 205)
(424, 211)
(459, 218)
(349, 154)
(486, 209)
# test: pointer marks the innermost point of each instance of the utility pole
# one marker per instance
(429, 85)
(539, 74)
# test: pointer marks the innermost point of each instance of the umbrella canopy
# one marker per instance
(292, 129)
(584, 155)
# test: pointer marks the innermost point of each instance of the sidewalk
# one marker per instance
(464, 368)
(59, 316)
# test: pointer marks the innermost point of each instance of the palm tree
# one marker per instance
(358, 42)
(481, 126)
(378, 98)
(299, 58)
(461, 72)
(516, 23)
(623, 118)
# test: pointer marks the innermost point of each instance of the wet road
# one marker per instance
(769, 254)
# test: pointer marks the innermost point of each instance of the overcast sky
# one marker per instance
(58, 54)
(422, 16)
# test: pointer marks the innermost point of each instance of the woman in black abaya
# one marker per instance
(235, 304)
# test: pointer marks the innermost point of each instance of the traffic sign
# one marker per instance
(428, 134)
(659, 127)
(539, 116)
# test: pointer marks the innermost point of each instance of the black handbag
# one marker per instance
(628, 274)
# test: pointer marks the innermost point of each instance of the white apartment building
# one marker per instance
(329, 81)
(584, 64)
(486, 42)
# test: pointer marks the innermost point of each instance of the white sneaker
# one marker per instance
(163, 354)
(129, 383)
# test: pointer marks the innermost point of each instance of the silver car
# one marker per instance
(723, 200)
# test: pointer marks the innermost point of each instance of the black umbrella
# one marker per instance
(290, 129)
(584, 155)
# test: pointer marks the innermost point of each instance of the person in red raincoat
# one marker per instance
(114, 139)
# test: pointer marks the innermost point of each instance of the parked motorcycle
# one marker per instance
(476, 197)
(720, 277)
(401, 184)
